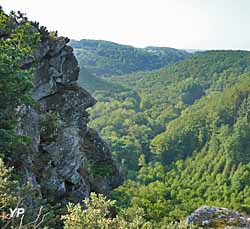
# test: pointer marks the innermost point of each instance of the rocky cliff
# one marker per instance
(66, 160)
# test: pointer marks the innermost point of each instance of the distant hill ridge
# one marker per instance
(105, 58)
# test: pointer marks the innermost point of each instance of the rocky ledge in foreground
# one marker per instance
(216, 217)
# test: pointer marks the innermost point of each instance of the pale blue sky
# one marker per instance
(193, 24)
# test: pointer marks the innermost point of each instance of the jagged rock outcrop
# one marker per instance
(66, 159)
(215, 217)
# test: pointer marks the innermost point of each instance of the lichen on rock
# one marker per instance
(216, 217)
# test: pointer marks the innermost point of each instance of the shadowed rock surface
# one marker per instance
(66, 160)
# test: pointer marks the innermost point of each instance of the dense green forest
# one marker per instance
(104, 58)
(205, 160)
(133, 109)
(181, 133)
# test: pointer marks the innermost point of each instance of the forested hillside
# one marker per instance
(133, 109)
(203, 160)
(104, 58)
(181, 133)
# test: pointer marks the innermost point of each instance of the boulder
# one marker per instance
(216, 217)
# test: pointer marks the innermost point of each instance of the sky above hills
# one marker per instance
(186, 24)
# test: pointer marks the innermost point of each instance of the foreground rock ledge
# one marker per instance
(216, 217)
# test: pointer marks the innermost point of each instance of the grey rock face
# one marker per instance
(66, 159)
(215, 217)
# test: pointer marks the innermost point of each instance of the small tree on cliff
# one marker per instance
(17, 42)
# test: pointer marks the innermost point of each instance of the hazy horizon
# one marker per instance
(196, 24)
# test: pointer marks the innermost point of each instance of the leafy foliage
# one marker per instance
(97, 215)
(17, 42)
(7, 187)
